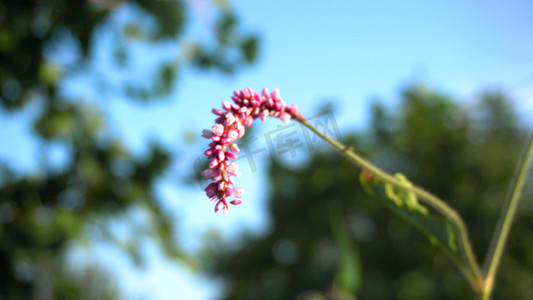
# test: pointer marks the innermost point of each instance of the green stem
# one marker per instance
(501, 232)
(459, 226)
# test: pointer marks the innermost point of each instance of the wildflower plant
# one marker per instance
(431, 215)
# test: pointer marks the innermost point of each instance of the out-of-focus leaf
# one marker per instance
(349, 273)
(249, 48)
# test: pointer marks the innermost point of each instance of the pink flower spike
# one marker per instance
(238, 192)
(230, 125)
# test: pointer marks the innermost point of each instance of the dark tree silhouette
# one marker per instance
(43, 44)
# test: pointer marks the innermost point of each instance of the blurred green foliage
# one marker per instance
(100, 179)
(464, 154)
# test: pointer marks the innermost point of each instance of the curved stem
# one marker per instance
(433, 201)
(501, 232)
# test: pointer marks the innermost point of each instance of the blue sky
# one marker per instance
(349, 51)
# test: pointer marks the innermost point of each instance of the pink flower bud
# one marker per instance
(213, 163)
(217, 176)
(275, 94)
(217, 112)
(293, 109)
(231, 155)
(218, 129)
(233, 169)
(208, 152)
(266, 93)
(211, 190)
(285, 117)
(230, 119)
(264, 115)
(241, 129)
(246, 93)
(221, 156)
(248, 121)
(226, 105)
(228, 192)
(236, 202)
(233, 135)
(206, 133)
(219, 206)
(207, 173)
(233, 147)
(238, 192)
(236, 100)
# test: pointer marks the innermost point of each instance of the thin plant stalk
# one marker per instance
(473, 274)
(501, 233)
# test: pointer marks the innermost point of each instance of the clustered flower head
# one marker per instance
(229, 127)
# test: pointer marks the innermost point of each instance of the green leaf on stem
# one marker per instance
(439, 230)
